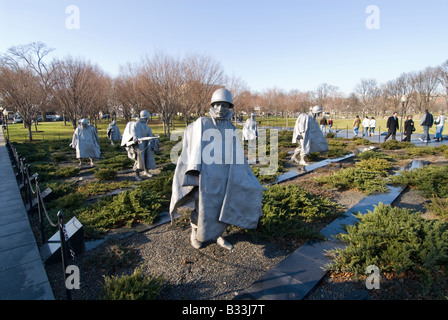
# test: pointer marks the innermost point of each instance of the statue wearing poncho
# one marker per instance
(113, 132)
(140, 144)
(250, 129)
(85, 141)
(213, 171)
(308, 135)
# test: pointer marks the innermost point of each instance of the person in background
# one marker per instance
(366, 125)
(426, 122)
(323, 125)
(356, 124)
(330, 124)
(440, 123)
(372, 126)
(392, 126)
(409, 128)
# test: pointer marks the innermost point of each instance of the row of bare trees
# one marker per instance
(172, 86)
(77, 89)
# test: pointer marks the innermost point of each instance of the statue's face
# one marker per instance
(221, 109)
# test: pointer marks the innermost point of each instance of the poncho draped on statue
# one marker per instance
(113, 132)
(85, 141)
(216, 174)
(312, 138)
(250, 129)
(141, 152)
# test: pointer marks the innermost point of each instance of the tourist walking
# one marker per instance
(356, 124)
(440, 123)
(372, 126)
(409, 128)
(323, 125)
(426, 122)
(366, 126)
(392, 126)
(330, 124)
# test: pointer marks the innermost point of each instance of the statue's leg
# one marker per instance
(137, 175)
(296, 153)
(302, 160)
(193, 238)
(223, 243)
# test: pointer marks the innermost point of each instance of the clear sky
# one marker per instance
(288, 44)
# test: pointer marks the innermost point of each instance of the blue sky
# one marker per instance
(288, 44)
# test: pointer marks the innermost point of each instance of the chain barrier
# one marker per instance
(22, 170)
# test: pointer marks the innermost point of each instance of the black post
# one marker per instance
(63, 251)
(401, 124)
(41, 220)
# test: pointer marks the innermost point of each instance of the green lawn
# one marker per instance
(57, 130)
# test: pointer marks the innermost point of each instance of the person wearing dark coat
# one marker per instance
(392, 126)
(408, 129)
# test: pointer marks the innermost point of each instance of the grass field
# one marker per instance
(57, 130)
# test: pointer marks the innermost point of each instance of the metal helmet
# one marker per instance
(144, 114)
(84, 121)
(222, 95)
(316, 109)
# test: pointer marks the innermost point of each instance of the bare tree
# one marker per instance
(424, 84)
(369, 95)
(161, 83)
(443, 78)
(20, 89)
(77, 88)
(242, 99)
(323, 94)
(127, 92)
(201, 77)
(32, 56)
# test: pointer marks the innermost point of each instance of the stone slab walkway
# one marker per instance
(22, 273)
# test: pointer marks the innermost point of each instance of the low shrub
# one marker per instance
(289, 211)
(382, 166)
(430, 180)
(50, 171)
(372, 154)
(98, 188)
(396, 145)
(336, 152)
(133, 287)
(105, 174)
(365, 181)
(125, 209)
(361, 141)
(395, 240)
(438, 206)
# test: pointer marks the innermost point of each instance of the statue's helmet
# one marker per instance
(222, 95)
(316, 110)
(144, 114)
(84, 121)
